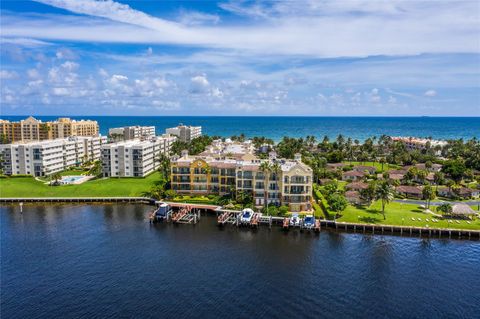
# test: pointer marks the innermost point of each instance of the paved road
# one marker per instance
(436, 203)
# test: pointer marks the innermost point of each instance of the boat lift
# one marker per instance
(162, 213)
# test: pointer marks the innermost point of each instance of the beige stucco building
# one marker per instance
(288, 182)
(31, 129)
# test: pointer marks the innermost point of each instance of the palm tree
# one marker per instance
(385, 194)
(382, 161)
(445, 208)
(275, 169)
(266, 168)
(164, 161)
(95, 169)
(428, 194)
(450, 183)
(55, 177)
(438, 179)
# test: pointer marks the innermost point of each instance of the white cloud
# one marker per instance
(69, 65)
(392, 100)
(117, 79)
(33, 73)
(197, 18)
(430, 93)
(199, 84)
(217, 92)
(324, 29)
(166, 105)
(24, 42)
(60, 91)
(160, 83)
(103, 73)
(5, 74)
(65, 53)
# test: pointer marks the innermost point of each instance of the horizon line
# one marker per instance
(325, 116)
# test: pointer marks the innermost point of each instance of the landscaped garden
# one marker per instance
(108, 187)
(403, 215)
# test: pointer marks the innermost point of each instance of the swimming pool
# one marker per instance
(74, 179)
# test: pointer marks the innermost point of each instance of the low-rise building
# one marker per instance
(365, 169)
(131, 132)
(335, 166)
(185, 133)
(410, 191)
(420, 144)
(356, 186)
(230, 149)
(353, 197)
(42, 158)
(461, 192)
(134, 158)
(288, 182)
(353, 176)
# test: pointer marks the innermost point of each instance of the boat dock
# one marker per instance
(191, 214)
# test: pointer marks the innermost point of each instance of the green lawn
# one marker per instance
(29, 187)
(195, 200)
(72, 172)
(378, 166)
(400, 214)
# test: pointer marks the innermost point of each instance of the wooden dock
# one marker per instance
(255, 220)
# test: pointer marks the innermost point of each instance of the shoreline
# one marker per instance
(367, 229)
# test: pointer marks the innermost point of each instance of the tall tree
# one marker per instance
(385, 194)
(428, 194)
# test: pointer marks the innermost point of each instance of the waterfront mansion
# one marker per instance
(287, 182)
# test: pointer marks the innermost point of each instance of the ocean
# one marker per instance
(107, 261)
(277, 127)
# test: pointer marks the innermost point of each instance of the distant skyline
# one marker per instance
(248, 58)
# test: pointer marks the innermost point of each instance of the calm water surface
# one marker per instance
(79, 261)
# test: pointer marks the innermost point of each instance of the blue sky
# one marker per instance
(86, 57)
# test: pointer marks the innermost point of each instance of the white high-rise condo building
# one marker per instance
(134, 158)
(131, 132)
(42, 158)
(185, 133)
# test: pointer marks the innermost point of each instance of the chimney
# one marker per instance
(185, 153)
(297, 157)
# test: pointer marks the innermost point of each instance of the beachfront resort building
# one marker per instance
(31, 129)
(287, 182)
(134, 158)
(185, 133)
(42, 158)
(131, 132)
(420, 144)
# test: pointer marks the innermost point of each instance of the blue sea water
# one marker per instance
(276, 127)
(107, 261)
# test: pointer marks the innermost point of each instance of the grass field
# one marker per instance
(29, 187)
(378, 166)
(194, 200)
(400, 214)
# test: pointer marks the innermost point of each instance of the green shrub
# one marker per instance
(282, 210)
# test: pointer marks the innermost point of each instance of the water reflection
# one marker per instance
(55, 255)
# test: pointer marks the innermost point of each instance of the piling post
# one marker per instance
(21, 207)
